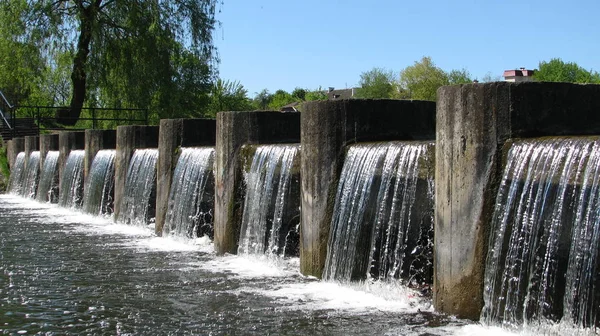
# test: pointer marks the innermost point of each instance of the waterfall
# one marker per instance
(382, 223)
(139, 199)
(99, 185)
(271, 207)
(191, 200)
(31, 177)
(542, 262)
(71, 186)
(47, 191)
(15, 182)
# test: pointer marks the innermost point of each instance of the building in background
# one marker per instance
(520, 75)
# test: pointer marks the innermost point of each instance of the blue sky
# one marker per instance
(283, 44)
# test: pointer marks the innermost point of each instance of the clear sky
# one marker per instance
(283, 44)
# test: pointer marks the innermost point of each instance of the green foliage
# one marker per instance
(299, 93)
(131, 53)
(421, 80)
(262, 99)
(318, 94)
(281, 98)
(4, 170)
(377, 83)
(228, 96)
(556, 70)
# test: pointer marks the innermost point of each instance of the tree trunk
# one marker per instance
(87, 17)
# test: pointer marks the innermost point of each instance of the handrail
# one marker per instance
(2, 112)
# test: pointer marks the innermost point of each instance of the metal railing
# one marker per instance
(55, 118)
(5, 106)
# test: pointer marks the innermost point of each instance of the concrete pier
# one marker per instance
(473, 123)
(14, 147)
(48, 142)
(130, 138)
(174, 134)
(327, 128)
(96, 140)
(68, 141)
(235, 129)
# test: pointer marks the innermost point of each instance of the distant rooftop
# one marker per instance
(519, 75)
(332, 93)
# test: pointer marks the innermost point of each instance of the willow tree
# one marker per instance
(133, 53)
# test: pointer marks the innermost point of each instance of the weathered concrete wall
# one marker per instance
(96, 140)
(48, 142)
(174, 134)
(32, 143)
(68, 141)
(14, 147)
(473, 123)
(130, 138)
(327, 128)
(235, 129)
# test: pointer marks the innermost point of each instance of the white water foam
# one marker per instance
(347, 297)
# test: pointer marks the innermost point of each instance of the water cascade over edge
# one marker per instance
(543, 260)
(382, 224)
(71, 186)
(15, 182)
(32, 175)
(47, 191)
(99, 187)
(271, 206)
(137, 206)
(191, 199)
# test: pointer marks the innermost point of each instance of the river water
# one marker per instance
(67, 273)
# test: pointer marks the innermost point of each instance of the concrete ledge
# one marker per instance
(327, 128)
(474, 121)
(96, 140)
(129, 138)
(235, 129)
(174, 134)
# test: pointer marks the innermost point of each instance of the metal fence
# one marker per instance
(54, 118)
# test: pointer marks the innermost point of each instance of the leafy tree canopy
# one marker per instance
(228, 96)
(421, 80)
(115, 53)
(556, 70)
(377, 83)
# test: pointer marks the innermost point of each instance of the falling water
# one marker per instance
(382, 219)
(31, 177)
(191, 200)
(98, 191)
(71, 186)
(543, 258)
(137, 206)
(15, 182)
(271, 206)
(47, 191)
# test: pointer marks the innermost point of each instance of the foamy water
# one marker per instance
(275, 280)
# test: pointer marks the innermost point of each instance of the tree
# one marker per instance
(377, 83)
(421, 80)
(299, 93)
(318, 94)
(130, 53)
(21, 61)
(263, 99)
(281, 98)
(228, 96)
(556, 70)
